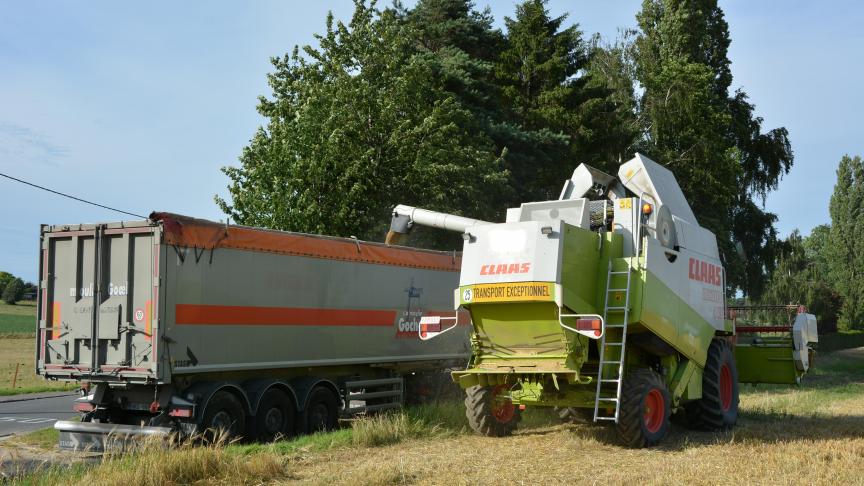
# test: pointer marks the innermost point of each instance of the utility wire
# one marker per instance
(71, 197)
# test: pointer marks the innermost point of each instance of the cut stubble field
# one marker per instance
(808, 434)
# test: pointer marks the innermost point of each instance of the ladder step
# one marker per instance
(609, 380)
(610, 362)
(616, 325)
(620, 273)
(604, 418)
(617, 290)
(614, 344)
(616, 308)
(603, 399)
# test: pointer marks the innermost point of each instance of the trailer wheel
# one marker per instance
(643, 418)
(490, 412)
(275, 416)
(224, 417)
(571, 415)
(718, 407)
(322, 410)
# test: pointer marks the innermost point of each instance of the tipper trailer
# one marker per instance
(180, 324)
(608, 304)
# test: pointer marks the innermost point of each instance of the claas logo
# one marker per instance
(705, 272)
(505, 268)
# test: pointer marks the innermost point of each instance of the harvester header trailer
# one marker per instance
(608, 303)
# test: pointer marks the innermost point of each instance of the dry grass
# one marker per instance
(155, 464)
(786, 435)
(22, 351)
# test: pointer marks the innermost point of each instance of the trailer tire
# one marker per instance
(643, 419)
(274, 418)
(572, 415)
(322, 410)
(718, 407)
(489, 413)
(224, 417)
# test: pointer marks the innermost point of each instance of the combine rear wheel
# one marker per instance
(643, 418)
(490, 411)
(718, 407)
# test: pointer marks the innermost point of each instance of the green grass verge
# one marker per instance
(18, 319)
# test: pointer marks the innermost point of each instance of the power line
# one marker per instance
(70, 197)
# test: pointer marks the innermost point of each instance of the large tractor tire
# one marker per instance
(275, 416)
(322, 411)
(490, 412)
(643, 418)
(224, 417)
(718, 407)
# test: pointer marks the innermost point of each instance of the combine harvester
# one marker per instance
(608, 304)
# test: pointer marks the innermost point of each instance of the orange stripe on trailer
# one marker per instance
(55, 319)
(148, 324)
(228, 315)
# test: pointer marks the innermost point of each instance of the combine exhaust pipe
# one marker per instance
(405, 217)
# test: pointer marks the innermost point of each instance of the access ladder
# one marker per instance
(612, 345)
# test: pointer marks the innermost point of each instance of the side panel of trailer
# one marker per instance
(251, 310)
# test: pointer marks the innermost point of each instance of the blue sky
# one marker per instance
(138, 106)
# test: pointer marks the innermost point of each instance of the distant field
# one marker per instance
(18, 318)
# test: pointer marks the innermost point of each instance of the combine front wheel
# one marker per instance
(490, 411)
(644, 415)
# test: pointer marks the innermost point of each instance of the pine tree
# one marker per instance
(548, 90)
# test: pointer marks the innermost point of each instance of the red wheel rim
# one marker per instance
(502, 407)
(725, 388)
(654, 411)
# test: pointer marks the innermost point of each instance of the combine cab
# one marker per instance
(609, 304)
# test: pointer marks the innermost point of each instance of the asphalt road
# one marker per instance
(25, 413)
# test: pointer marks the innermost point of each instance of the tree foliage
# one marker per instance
(5, 278)
(433, 106)
(13, 291)
(358, 124)
(800, 278)
(710, 139)
(845, 240)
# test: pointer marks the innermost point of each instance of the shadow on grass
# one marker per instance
(752, 427)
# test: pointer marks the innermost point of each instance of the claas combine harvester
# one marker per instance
(608, 304)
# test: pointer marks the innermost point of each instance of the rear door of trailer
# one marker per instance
(99, 300)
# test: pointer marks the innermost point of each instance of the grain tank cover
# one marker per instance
(587, 179)
(644, 176)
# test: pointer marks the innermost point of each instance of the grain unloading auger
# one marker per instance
(608, 304)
